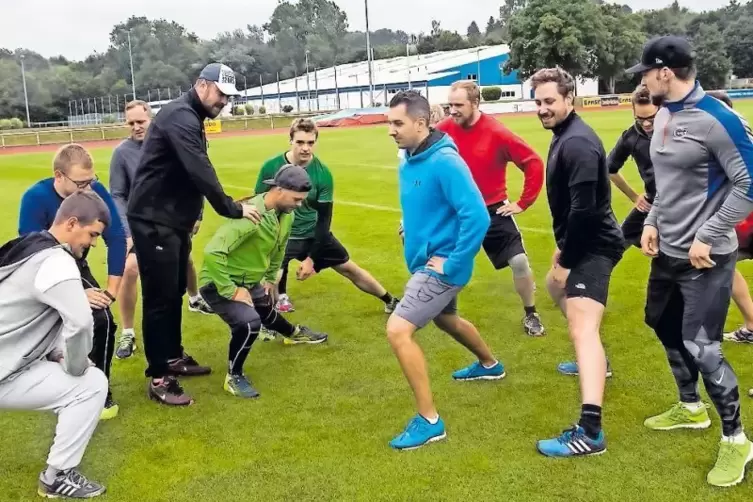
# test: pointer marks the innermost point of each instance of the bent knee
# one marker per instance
(398, 332)
(707, 356)
(95, 381)
(520, 266)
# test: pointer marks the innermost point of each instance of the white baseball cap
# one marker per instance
(222, 75)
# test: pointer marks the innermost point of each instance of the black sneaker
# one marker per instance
(200, 306)
(305, 335)
(187, 366)
(532, 325)
(390, 307)
(70, 484)
(168, 392)
(741, 335)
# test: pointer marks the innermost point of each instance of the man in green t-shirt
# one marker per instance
(241, 265)
(311, 241)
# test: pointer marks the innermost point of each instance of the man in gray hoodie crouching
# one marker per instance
(46, 333)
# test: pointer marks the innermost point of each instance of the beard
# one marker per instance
(657, 100)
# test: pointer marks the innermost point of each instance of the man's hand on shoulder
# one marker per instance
(251, 213)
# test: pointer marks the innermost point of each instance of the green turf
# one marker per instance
(320, 430)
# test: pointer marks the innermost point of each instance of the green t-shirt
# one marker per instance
(322, 188)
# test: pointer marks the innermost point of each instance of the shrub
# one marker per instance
(491, 93)
(249, 109)
(16, 123)
(5, 124)
(262, 110)
(239, 110)
(287, 108)
(109, 119)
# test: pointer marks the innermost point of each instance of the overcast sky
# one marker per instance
(53, 27)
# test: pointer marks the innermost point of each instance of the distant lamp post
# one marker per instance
(26, 95)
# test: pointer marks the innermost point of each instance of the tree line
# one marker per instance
(587, 37)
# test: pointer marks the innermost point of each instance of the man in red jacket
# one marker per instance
(487, 146)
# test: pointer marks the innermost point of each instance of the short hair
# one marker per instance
(416, 105)
(721, 96)
(303, 125)
(137, 102)
(641, 96)
(470, 87)
(686, 73)
(437, 114)
(84, 205)
(69, 155)
(565, 82)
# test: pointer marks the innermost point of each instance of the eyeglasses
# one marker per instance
(81, 184)
(644, 120)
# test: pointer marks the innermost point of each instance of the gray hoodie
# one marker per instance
(44, 312)
(702, 153)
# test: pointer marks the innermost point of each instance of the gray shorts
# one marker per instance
(425, 298)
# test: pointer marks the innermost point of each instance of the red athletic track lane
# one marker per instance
(11, 150)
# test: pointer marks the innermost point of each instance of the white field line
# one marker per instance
(388, 209)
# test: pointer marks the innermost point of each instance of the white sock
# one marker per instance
(195, 298)
(432, 421)
(490, 367)
(128, 331)
(693, 407)
(737, 439)
(49, 475)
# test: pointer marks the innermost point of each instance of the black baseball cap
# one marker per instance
(665, 52)
(291, 177)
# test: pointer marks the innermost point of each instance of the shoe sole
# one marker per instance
(160, 401)
(194, 309)
(428, 441)
(592, 454)
(288, 341)
(698, 426)
(732, 339)
(240, 395)
(485, 377)
(56, 496)
(742, 474)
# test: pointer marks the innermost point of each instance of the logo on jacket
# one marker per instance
(417, 183)
(680, 132)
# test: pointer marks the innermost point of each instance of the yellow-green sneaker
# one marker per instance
(304, 335)
(679, 417)
(729, 469)
(110, 410)
(240, 386)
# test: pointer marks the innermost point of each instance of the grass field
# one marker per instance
(320, 429)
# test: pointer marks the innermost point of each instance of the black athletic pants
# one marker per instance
(104, 326)
(162, 253)
(687, 308)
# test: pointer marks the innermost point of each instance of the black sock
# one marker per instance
(530, 310)
(590, 420)
(387, 298)
(242, 338)
(273, 320)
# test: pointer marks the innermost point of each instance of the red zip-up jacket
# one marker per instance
(487, 147)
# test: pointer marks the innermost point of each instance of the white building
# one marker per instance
(347, 86)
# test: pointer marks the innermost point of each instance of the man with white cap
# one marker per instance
(173, 178)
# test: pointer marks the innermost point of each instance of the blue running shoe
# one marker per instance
(418, 433)
(571, 368)
(477, 371)
(573, 443)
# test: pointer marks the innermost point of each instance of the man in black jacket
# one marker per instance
(172, 179)
(636, 142)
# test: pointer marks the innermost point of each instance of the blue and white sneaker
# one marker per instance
(477, 371)
(418, 433)
(571, 368)
(573, 443)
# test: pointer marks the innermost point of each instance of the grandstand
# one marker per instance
(347, 86)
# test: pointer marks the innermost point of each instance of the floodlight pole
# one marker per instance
(26, 96)
(130, 57)
(368, 55)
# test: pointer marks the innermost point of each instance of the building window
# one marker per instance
(471, 76)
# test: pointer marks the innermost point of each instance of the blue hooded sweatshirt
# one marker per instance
(443, 211)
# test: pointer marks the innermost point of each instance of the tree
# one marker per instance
(548, 33)
(739, 46)
(623, 45)
(474, 34)
(712, 62)
(672, 20)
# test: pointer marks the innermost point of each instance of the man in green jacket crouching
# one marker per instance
(241, 265)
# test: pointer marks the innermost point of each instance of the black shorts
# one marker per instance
(688, 298)
(330, 254)
(503, 240)
(590, 278)
(632, 227)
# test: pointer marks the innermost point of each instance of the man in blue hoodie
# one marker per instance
(444, 221)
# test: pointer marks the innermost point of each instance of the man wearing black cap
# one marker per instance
(703, 157)
(172, 179)
(241, 265)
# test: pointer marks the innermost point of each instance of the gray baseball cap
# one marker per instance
(291, 177)
(222, 75)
